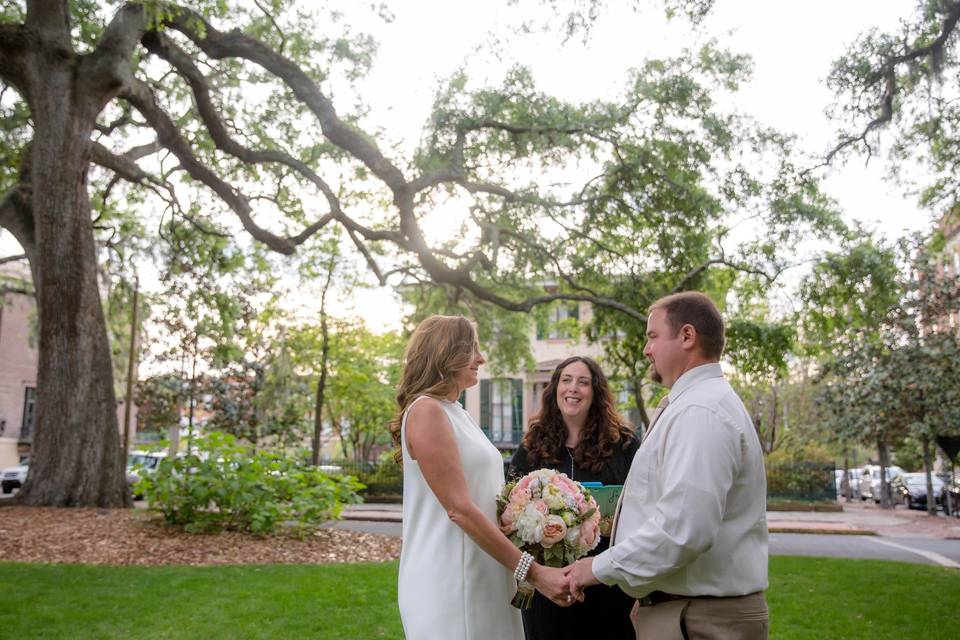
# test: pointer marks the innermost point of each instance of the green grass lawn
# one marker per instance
(809, 598)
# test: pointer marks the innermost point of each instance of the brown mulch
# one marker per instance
(137, 537)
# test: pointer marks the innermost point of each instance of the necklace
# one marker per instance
(569, 453)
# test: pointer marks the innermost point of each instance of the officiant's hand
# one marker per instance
(580, 575)
(552, 583)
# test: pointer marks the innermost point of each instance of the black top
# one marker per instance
(605, 611)
(614, 470)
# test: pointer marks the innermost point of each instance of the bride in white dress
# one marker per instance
(456, 567)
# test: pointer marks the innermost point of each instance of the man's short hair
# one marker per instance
(696, 309)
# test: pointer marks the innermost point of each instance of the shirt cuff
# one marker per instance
(603, 569)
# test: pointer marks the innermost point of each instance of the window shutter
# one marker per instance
(574, 311)
(485, 407)
(517, 410)
(463, 399)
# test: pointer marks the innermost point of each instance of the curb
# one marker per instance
(369, 516)
(824, 531)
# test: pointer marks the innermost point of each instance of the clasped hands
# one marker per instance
(565, 586)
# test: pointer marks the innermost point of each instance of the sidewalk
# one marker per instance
(857, 518)
(867, 518)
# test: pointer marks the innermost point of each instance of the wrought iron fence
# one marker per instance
(804, 481)
(800, 481)
(382, 479)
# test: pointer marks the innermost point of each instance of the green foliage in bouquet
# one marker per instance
(226, 485)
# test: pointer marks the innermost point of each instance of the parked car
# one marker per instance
(910, 490)
(13, 477)
(853, 479)
(139, 464)
(869, 483)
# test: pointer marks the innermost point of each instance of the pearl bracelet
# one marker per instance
(520, 573)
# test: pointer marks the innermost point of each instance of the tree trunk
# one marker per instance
(637, 388)
(884, 454)
(76, 452)
(845, 483)
(772, 439)
(928, 469)
(322, 382)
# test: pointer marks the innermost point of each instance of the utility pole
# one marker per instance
(131, 369)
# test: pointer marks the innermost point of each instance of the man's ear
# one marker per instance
(689, 335)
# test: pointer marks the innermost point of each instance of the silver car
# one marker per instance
(853, 479)
(870, 481)
(13, 477)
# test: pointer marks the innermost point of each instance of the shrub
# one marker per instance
(226, 485)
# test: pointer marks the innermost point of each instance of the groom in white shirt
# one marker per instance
(690, 537)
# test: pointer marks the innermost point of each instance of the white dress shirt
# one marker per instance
(693, 516)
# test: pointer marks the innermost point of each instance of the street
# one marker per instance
(902, 549)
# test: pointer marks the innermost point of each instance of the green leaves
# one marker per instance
(225, 485)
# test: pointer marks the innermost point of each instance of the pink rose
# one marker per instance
(524, 483)
(589, 504)
(589, 533)
(508, 520)
(520, 497)
(541, 506)
(554, 529)
(568, 486)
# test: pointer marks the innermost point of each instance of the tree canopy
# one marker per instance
(228, 117)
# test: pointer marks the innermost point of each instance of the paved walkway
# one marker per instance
(856, 518)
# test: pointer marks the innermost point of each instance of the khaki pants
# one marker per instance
(736, 618)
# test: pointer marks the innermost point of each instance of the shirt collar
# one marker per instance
(694, 376)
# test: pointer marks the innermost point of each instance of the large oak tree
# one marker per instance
(215, 110)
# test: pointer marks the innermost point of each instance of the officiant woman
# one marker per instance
(578, 431)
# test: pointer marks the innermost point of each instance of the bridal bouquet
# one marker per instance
(551, 517)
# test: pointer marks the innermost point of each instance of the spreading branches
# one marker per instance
(235, 44)
(886, 75)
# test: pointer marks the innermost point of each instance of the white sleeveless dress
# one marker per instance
(449, 588)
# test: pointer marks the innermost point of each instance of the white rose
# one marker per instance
(530, 525)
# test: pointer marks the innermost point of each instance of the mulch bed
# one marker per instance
(137, 537)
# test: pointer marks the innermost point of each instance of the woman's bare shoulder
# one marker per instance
(425, 410)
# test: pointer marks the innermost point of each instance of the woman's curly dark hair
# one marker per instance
(604, 429)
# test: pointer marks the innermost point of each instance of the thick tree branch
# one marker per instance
(143, 150)
(141, 97)
(236, 44)
(107, 68)
(121, 165)
(163, 47)
(16, 216)
(6, 259)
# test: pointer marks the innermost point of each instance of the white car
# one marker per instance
(140, 463)
(13, 477)
(870, 481)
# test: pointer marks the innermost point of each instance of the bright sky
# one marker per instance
(792, 45)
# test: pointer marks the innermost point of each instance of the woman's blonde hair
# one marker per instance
(439, 347)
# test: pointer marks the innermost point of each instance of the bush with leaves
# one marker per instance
(226, 485)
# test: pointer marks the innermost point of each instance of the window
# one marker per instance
(554, 326)
(501, 410)
(463, 399)
(29, 401)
